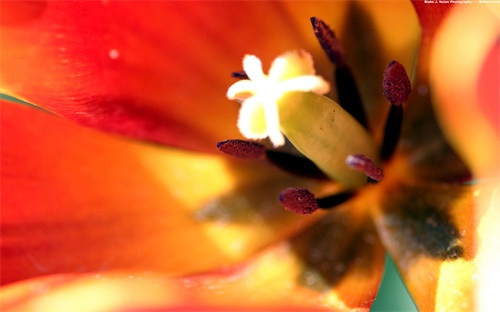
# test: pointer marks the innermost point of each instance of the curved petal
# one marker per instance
(466, 83)
(343, 277)
(156, 70)
(76, 200)
(467, 103)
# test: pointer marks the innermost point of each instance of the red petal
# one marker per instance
(337, 264)
(430, 15)
(488, 87)
(156, 70)
(77, 200)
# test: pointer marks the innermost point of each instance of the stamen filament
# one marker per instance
(392, 132)
(297, 165)
(334, 200)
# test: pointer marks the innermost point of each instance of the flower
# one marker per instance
(129, 228)
(258, 117)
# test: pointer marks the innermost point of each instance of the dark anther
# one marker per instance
(328, 41)
(298, 200)
(332, 201)
(397, 89)
(366, 165)
(242, 149)
(239, 75)
(347, 90)
(397, 86)
(297, 165)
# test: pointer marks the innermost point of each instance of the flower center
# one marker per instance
(331, 140)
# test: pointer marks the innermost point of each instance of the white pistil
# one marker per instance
(259, 114)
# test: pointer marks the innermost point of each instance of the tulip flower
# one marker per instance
(114, 196)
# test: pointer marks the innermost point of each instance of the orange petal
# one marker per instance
(77, 200)
(467, 103)
(429, 229)
(463, 66)
(337, 264)
(157, 70)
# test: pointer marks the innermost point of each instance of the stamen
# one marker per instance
(366, 165)
(397, 89)
(240, 75)
(328, 41)
(299, 201)
(297, 165)
(332, 201)
(242, 149)
(349, 98)
(397, 85)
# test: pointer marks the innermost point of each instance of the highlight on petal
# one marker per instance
(320, 269)
(77, 200)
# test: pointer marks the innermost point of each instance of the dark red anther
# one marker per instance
(299, 201)
(366, 165)
(397, 86)
(328, 41)
(347, 90)
(242, 149)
